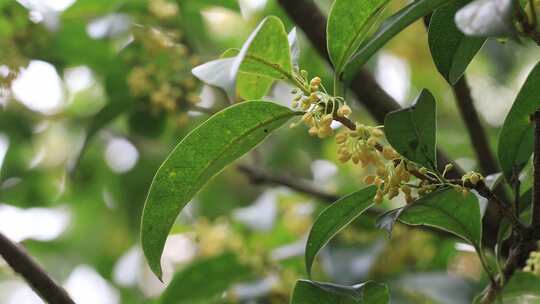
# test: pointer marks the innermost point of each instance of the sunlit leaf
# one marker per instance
(205, 279)
(390, 28)
(265, 54)
(310, 292)
(451, 50)
(349, 22)
(413, 131)
(516, 137)
(266, 50)
(334, 218)
(203, 153)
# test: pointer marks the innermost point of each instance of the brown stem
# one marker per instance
(307, 16)
(504, 209)
(376, 101)
(260, 176)
(518, 255)
(34, 275)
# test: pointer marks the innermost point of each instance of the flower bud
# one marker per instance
(315, 81)
(324, 131)
(327, 119)
(388, 153)
(377, 132)
(341, 138)
(307, 117)
(344, 111)
(475, 178)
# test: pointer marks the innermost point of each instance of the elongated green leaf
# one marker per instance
(451, 50)
(249, 85)
(516, 137)
(390, 28)
(205, 279)
(311, 292)
(348, 24)
(449, 210)
(267, 50)
(413, 131)
(202, 154)
(523, 287)
(264, 56)
(334, 218)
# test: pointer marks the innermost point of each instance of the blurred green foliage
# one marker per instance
(140, 54)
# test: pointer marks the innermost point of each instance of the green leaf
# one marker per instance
(516, 137)
(390, 28)
(205, 279)
(523, 287)
(449, 210)
(203, 153)
(451, 50)
(265, 53)
(249, 85)
(413, 131)
(334, 218)
(311, 292)
(348, 24)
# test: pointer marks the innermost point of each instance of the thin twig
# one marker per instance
(34, 275)
(376, 101)
(260, 176)
(307, 16)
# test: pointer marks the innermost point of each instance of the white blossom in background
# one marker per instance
(39, 88)
(86, 286)
(42, 224)
(121, 155)
(393, 74)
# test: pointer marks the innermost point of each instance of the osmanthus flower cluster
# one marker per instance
(162, 63)
(366, 146)
(533, 263)
(319, 107)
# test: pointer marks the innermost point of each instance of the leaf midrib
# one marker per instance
(236, 140)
